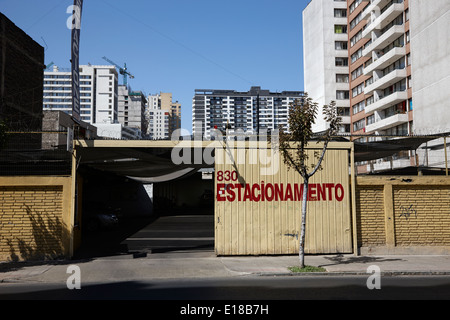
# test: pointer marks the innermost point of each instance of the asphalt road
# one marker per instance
(255, 288)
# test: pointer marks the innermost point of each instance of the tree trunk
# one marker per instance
(301, 249)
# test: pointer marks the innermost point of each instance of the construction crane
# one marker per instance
(49, 65)
(123, 71)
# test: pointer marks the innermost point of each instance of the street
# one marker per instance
(170, 263)
(255, 288)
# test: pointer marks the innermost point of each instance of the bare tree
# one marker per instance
(293, 147)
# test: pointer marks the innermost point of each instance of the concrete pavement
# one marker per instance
(203, 264)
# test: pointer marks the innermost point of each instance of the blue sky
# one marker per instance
(177, 45)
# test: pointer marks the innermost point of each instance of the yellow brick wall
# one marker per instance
(36, 217)
(31, 222)
(403, 212)
(422, 215)
(370, 216)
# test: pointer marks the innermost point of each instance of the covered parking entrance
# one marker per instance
(161, 205)
(249, 206)
(252, 202)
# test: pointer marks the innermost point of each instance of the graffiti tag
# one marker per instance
(408, 211)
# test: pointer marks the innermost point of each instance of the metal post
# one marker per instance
(353, 199)
(445, 153)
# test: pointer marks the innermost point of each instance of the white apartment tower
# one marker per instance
(325, 59)
(398, 67)
(252, 112)
(164, 115)
(98, 92)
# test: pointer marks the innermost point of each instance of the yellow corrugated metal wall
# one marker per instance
(265, 225)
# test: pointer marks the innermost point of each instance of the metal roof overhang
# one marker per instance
(380, 149)
(141, 160)
(151, 161)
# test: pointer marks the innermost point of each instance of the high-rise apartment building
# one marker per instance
(158, 124)
(429, 26)
(249, 112)
(164, 115)
(131, 109)
(325, 59)
(380, 97)
(98, 92)
(381, 70)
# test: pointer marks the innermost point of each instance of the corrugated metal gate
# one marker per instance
(258, 202)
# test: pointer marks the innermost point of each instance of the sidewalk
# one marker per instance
(205, 264)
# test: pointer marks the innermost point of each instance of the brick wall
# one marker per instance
(34, 218)
(403, 214)
(422, 215)
(370, 216)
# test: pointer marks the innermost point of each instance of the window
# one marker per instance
(340, 13)
(356, 73)
(340, 45)
(399, 64)
(357, 55)
(357, 90)
(340, 28)
(401, 130)
(341, 62)
(342, 95)
(358, 107)
(342, 78)
(355, 38)
(354, 5)
(355, 21)
(358, 125)
(370, 119)
(398, 21)
(399, 86)
(368, 63)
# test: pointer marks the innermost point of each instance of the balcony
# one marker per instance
(373, 6)
(385, 60)
(383, 40)
(387, 123)
(346, 120)
(387, 101)
(386, 81)
(384, 19)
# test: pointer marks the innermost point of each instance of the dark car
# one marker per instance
(98, 217)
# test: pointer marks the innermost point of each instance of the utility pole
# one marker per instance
(257, 116)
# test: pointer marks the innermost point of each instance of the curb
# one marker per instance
(356, 273)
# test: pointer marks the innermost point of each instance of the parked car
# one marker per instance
(101, 221)
(98, 217)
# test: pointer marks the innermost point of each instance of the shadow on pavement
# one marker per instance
(142, 236)
(341, 259)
